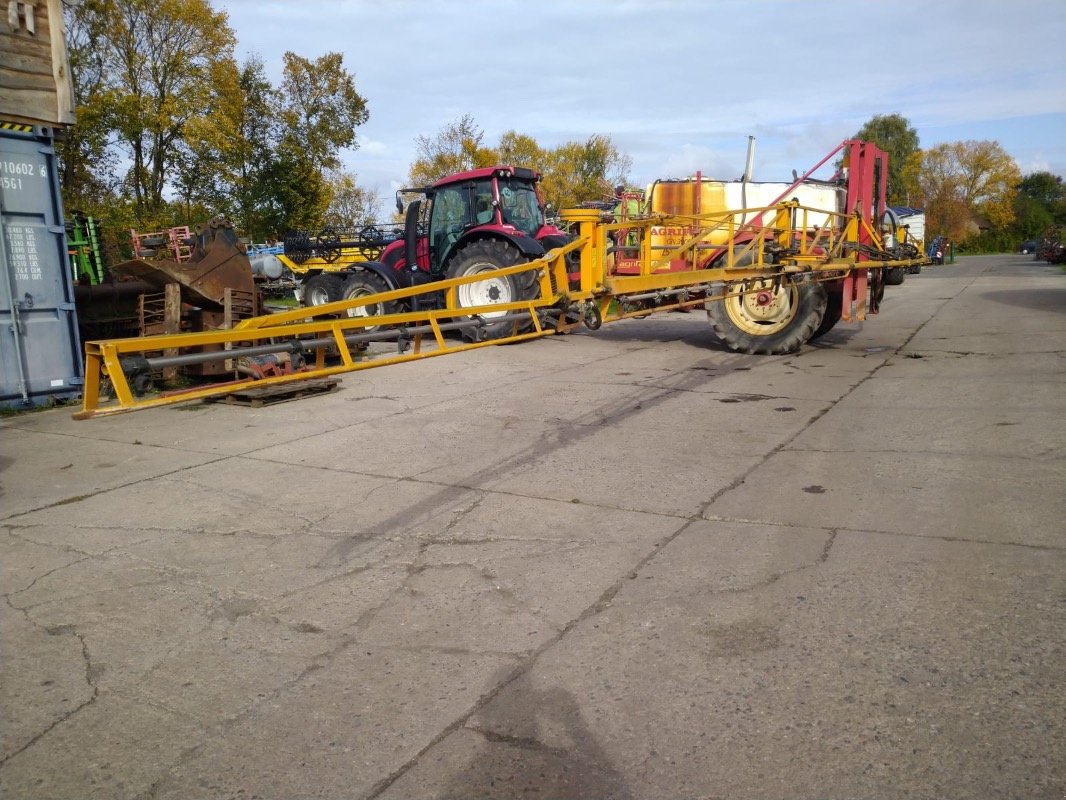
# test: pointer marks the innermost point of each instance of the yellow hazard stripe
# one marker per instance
(16, 126)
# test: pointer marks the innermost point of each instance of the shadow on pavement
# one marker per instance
(1032, 299)
(536, 744)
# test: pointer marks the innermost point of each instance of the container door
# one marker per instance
(40, 355)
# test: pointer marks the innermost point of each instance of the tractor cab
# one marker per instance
(498, 203)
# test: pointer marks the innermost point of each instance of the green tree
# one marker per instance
(1044, 187)
(159, 56)
(86, 163)
(1040, 204)
(231, 150)
(893, 134)
(1032, 218)
(1048, 191)
(300, 193)
(320, 109)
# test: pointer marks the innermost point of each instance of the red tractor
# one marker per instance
(471, 223)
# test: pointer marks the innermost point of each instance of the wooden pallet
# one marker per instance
(280, 393)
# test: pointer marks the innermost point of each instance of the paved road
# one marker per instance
(627, 565)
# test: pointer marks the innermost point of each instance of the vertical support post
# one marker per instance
(171, 323)
(90, 398)
(592, 256)
(228, 321)
(862, 283)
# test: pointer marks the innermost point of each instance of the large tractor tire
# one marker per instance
(834, 310)
(759, 318)
(895, 276)
(322, 288)
(485, 257)
(362, 284)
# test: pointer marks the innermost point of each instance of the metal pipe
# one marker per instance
(300, 345)
(749, 164)
(749, 167)
(663, 293)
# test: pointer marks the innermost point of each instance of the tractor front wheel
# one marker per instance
(364, 284)
(765, 317)
(321, 289)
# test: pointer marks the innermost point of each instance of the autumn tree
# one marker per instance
(893, 134)
(350, 205)
(321, 108)
(576, 172)
(456, 147)
(573, 171)
(521, 150)
(961, 179)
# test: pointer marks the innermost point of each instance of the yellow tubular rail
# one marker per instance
(582, 283)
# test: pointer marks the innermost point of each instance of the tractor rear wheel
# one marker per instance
(894, 276)
(834, 310)
(485, 257)
(764, 318)
(363, 284)
(322, 288)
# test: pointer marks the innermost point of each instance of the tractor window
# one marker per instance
(521, 208)
(484, 206)
(448, 218)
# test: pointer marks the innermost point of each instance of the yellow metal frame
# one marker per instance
(599, 296)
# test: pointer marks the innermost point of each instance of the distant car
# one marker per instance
(1029, 246)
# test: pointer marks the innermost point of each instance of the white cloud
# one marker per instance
(679, 84)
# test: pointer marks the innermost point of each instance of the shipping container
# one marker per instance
(40, 355)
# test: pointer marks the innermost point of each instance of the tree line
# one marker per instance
(971, 191)
(171, 130)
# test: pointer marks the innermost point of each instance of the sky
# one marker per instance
(680, 85)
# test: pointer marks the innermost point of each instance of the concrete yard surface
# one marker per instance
(627, 564)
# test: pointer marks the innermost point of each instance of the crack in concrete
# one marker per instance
(42, 576)
(518, 742)
(877, 532)
(1039, 456)
(226, 725)
(99, 492)
(610, 592)
(451, 651)
(18, 532)
(604, 600)
(90, 680)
